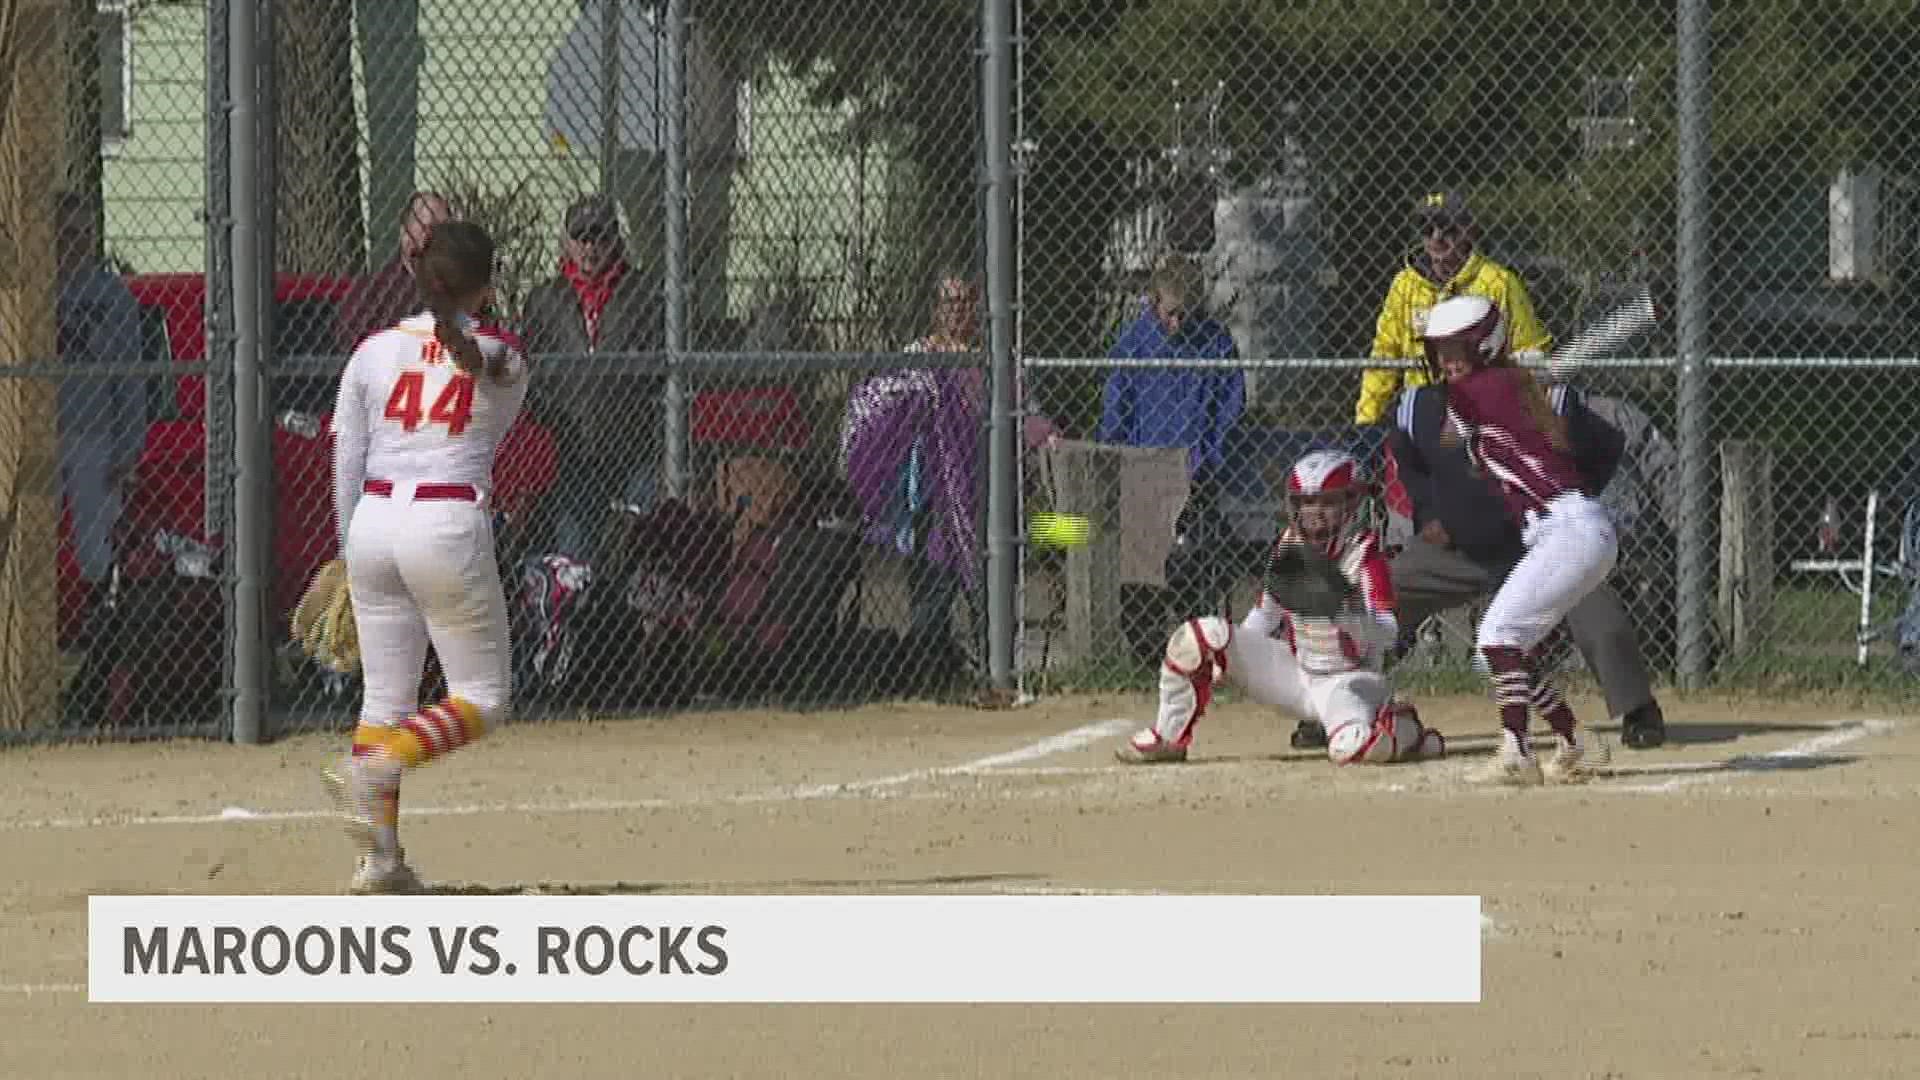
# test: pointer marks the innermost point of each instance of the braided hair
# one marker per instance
(457, 262)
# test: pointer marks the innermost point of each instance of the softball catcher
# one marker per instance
(1314, 642)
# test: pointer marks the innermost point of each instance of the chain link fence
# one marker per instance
(1228, 248)
(732, 484)
(748, 246)
(112, 614)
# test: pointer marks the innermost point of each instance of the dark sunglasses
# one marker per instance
(594, 235)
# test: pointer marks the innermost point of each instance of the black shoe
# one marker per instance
(1644, 727)
(1309, 735)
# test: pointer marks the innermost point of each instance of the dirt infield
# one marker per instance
(1738, 903)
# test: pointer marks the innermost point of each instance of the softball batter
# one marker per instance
(422, 407)
(1515, 439)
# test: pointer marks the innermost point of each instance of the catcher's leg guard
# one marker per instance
(1195, 659)
(1393, 734)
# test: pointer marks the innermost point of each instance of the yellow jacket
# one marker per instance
(1404, 315)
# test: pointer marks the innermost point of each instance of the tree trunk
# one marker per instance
(83, 167)
(391, 54)
(32, 127)
(321, 229)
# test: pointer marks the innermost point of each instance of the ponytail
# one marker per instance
(1552, 424)
(467, 354)
(457, 263)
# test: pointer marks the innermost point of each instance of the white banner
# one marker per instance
(867, 949)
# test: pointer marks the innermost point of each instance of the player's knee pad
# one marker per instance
(1198, 649)
(1394, 734)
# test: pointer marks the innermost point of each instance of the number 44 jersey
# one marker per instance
(407, 414)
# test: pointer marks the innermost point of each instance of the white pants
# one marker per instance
(425, 571)
(1570, 552)
(1346, 704)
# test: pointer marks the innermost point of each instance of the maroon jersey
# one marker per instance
(1505, 417)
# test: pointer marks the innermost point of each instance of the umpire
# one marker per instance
(1465, 543)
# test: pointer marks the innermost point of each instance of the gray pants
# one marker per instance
(86, 481)
(1428, 580)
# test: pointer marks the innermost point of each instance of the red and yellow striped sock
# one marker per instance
(425, 736)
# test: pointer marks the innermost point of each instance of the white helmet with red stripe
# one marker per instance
(1469, 325)
(1326, 490)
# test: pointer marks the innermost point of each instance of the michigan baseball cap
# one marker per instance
(1443, 208)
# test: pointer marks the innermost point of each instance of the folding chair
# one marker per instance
(1901, 569)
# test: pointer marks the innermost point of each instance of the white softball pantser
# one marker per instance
(422, 566)
(1570, 551)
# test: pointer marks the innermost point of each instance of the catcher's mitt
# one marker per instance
(1301, 578)
(323, 620)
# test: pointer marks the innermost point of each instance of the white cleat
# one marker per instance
(1148, 748)
(340, 790)
(384, 875)
(1509, 769)
(1574, 760)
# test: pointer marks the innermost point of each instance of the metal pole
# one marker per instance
(1692, 319)
(248, 547)
(1003, 449)
(1865, 633)
(609, 92)
(675, 187)
(217, 405)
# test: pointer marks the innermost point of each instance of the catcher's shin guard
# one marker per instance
(1196, 657)
(1394, 734)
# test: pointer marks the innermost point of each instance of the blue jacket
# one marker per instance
(1174, 406)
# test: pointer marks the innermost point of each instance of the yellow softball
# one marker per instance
(1059, 530)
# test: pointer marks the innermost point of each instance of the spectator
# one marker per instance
(389, 294)
(1174, 406)
(1449, 264)
(102, 420)
(1465, 545)
(1902, 485)
(606, 421)
(911, 442)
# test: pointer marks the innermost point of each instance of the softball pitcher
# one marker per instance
(1516, 440)
(1312, 644)
(422, 407)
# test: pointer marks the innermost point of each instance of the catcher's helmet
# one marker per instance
(1472, 322)
(1326, 473)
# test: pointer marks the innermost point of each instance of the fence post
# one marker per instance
(675, 188)
(218, 484)
(248, 547)
(1691, 313)
(1003, 462)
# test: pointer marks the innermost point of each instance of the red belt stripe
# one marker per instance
(453, 492)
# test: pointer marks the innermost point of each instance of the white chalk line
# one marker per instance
(1754, 764)
(1055, 744)
(32, 989)
(1066, 741)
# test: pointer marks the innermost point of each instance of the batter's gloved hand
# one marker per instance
(1303, 579)
(323, 621)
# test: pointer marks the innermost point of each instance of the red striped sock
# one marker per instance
(425, 736)
(1511, 680)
